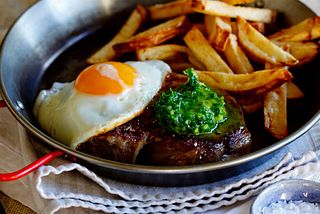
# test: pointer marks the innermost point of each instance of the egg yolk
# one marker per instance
(105, 78)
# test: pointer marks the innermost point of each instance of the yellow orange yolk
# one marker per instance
(105, 78)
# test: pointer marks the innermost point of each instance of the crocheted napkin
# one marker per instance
(72, 185)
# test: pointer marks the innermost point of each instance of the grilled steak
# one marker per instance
(143, 141)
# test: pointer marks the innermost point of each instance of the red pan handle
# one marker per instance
(2, 104)
(33, 166)
(30, 168)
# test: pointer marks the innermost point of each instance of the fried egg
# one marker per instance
(102, 97)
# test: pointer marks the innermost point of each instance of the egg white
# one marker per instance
(73, 117)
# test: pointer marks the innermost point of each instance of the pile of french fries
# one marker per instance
(224, 49)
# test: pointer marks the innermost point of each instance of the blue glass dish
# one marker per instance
(287, 190)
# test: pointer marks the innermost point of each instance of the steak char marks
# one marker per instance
(144, 141)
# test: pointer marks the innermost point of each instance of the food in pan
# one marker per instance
(102, 97)
(229, 54)
(147, 105)
(186, 123)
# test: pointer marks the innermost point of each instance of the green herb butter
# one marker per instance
(192, 109)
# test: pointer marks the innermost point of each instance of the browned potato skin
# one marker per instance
(259, 26)
(246, 85)
(260, 49)
(155, 35)
(233, 2)
(237, 59)
(218, 8)
(204, 52)
(305, 52)
(162, 52)
(218, 30)
(169, 10)
(306, 30)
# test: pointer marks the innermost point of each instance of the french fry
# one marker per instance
(168, 52)
(305, 52)
(259, 26)
(133, 24)
(293, 91)
(155, 35)
(306, 30)
(162, 52)
(234, 2)
(169, 10)
(259, 48)
(275, 112)
(237, 59)
(204, 52)
(268, 65)
(217, 8)
(275, 106)
(218, 30)
(246, 85)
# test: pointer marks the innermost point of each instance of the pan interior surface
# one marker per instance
(51, 41)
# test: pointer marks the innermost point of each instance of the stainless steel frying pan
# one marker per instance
(51, 41)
